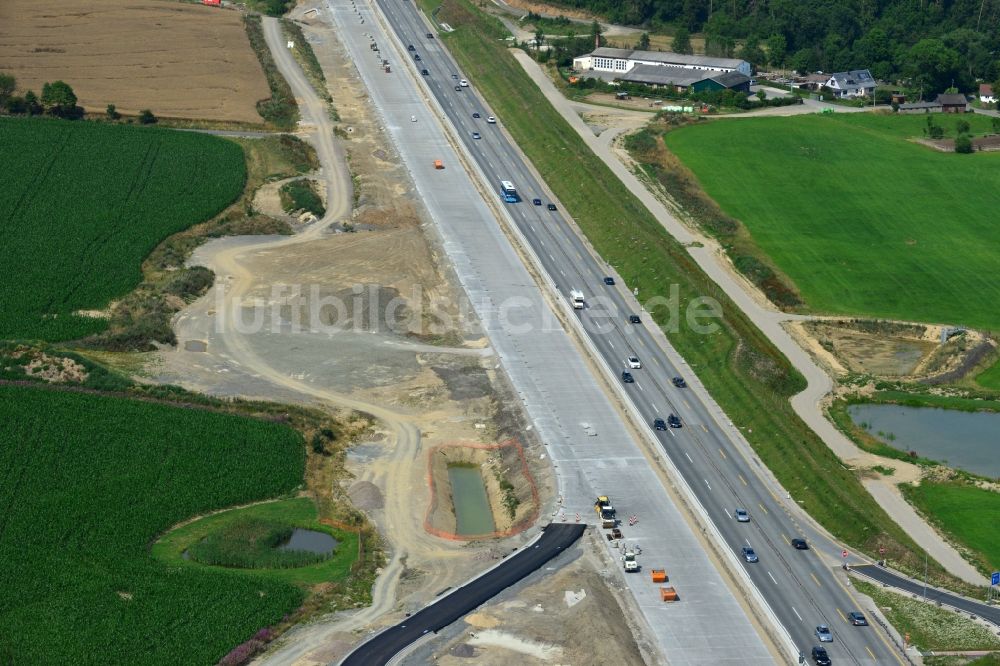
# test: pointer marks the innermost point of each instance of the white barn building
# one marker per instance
(621, 61)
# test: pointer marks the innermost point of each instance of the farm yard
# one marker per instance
(87, 482)
(83, 204)
(864, 221)
(180, 60)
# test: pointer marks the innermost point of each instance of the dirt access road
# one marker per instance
(807, 404)
(423, 392)
(179, 60)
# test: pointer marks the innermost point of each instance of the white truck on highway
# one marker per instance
(629, 561)
(576, 296)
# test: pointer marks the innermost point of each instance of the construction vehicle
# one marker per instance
(576, 296)
(608, 523)
(438, 164)
(629, 561)
(603, 507)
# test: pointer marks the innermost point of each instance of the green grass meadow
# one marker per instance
(863, 221)
(87, 484)
(82, 204)
(971, 515)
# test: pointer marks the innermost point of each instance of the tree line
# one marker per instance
(931, 44)
(57, 99)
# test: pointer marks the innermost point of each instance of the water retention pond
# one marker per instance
(969, 441)
(472, 506)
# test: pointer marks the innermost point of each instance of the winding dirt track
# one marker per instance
(236, 281)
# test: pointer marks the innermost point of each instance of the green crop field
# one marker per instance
(82, 204)
(862, 220)
(87, 483)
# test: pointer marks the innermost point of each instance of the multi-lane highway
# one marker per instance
(805, 588)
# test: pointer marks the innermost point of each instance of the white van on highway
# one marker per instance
(463, 83)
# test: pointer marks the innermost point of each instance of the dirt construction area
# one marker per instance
(178, 60)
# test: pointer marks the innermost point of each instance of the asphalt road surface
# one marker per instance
(887, 577)
(378, 650)
(804, 588)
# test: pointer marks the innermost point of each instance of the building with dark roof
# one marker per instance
(952, 103)
(855, 83)
(683, 80)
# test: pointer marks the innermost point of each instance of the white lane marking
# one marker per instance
(796, 613)
(673, 434)
(774, 581)
(612, 344)
(706, 483)
(640, 387)
(686, 454)
(747, 541)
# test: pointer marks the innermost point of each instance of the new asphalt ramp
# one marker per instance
(378, 650)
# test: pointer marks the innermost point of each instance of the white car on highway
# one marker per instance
(634, 362)
(463, 83)
(491, 120)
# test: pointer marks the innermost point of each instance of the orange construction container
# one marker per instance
(659, 575)
(668, 594)
(438, 164)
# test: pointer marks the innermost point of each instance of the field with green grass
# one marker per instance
(87, 483)
(990, 378)
(968, 513)
(750, 379)
(83, 204)
(863, 221)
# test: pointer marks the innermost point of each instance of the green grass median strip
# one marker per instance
(929, 627)
(749, 378)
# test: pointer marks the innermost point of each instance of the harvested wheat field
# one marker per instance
(178, 60)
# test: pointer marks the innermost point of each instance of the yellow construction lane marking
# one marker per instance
(703, 427)
(870, 652)
(762, 507)
(815, 580)
(722, 453)
(743, 480)
(787, 540)
(842, 616)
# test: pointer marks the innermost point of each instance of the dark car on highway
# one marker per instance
(857, 619)
(673, 421)
(749, 555)
(537, 202)
(659, 424)
(430, 36)
(627, 377)
(475, 114)
(551, 206)
(821, 657)
(800, 544)
(610, 281)
(424, 72)
(410, 48)
(416, 56)
(634, 319)
(679, 382)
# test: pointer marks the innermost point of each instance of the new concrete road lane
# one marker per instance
(804, 588)
(585, 436)
(380, 649)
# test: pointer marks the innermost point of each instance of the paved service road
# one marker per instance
(378, 650)
(804, 588)
(887, 577)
